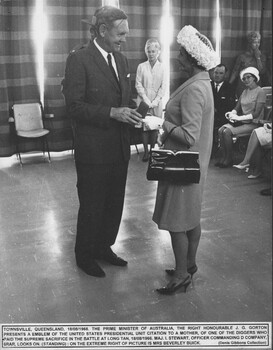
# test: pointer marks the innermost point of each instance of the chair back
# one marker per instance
(28, 116)
(268, 101)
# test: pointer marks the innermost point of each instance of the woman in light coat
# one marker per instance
(191, 109)
(151, 88)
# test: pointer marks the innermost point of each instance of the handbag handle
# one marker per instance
(169, 133)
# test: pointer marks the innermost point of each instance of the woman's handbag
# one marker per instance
(175, 166)
(235, 124)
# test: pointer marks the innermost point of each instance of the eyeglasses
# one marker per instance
(247, 77)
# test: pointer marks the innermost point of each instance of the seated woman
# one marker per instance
(251, 106)
(260, 137)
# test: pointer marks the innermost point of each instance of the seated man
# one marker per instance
(224, 97)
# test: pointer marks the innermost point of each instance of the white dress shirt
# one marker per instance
(104, 54)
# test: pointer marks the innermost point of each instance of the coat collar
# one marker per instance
(203, 75)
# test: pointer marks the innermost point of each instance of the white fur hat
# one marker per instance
(251, 70)
(198, 46)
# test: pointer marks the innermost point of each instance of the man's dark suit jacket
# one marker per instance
(224, 101)
(90, 91)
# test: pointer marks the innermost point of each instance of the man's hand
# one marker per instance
(126, 115)
(153, 104)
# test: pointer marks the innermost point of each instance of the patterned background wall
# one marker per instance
(18, 62)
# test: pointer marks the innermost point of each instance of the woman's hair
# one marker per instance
(253, 36)
(150, 42)
(106, 15)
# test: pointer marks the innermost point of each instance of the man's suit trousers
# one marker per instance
(101, 191)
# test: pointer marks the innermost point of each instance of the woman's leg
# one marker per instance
(256, 160)
(180, 248)
(185, 245)
(181, 279)
(227, 141)
(145, 140)
(253, 144)
(222, 145)
(193, 243)
(153, 137)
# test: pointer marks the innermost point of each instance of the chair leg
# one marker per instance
(18, 154)
(73, 143)
(20, 159)
(136, 149)
(47, 149)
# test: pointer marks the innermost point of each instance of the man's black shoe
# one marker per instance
(92, 268)
(266, 192)
(109, 256)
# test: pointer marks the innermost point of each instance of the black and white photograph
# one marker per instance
(135, 174)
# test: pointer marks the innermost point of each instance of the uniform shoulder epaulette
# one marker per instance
(77, 48)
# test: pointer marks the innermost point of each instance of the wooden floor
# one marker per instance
(40, 282)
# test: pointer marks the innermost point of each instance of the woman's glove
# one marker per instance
(159, 140)
(230, 115)
(242, 117)
(153, 123)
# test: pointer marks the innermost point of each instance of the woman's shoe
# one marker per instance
(241, 167)
(191, 270)
(174, 287)
(254, 176)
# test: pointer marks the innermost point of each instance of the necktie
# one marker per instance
(217, 87)
(109, 58)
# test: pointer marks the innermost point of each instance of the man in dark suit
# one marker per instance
(224, 98)
(97, 92)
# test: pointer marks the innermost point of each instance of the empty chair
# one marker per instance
(28, 122)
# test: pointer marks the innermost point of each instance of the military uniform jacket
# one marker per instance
(90, 90)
